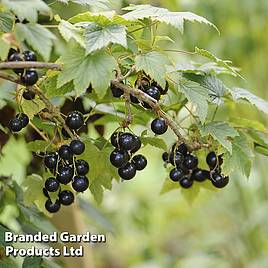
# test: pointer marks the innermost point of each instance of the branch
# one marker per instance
(29, 64)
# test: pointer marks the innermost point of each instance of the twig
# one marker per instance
(180, 51)
(29, 64)
(39, 132)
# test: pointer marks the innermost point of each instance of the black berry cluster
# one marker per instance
(66, 169)
(19, 122)
(126, 145)
(186, 169)
(28, 77)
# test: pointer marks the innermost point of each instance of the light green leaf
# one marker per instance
(153, 64)
(6, 22)
(4, 49)
(261, 149)
(97, 69)
(241, 157)
(27, 9)
(221, 132)
(175, 19)
(248, 124)
(32, 107)
(169, 185)
(98, 37)
(154, 141)
(36, 36)
(96, 4)
(38, 146)
(241, 93)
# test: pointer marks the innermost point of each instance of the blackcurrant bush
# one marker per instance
(28, 95)
(15, 125)
(117, 92)
(176, 174)
(115, 138)
(159, 126)
(65, 174)
(200, 174)
(165, 156)
(16, 57)
(176, 158)
(29, 55)
(139, 161)
(119, 158)
(66, 197)
(190, 161)
(52, 207)
(186, 182)
(77, 147)
(51, 160)
(74, 120)
(80, 183)
(65, 152)
(82, 167)
(52, 184)
(127, 172)
(212, 160)
(29, 78)
(127, 141)
(133, 99)
(24, 119)
(137, 144)
(219, 181)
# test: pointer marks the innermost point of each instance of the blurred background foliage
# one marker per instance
(215, 229)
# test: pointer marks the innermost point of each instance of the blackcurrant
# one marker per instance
(65, 152)
(139, 161)
(29, 55)
(45, 192)
(80, 183)
(212, 160)
(65, 134)
(15, 125)
(52, 207)
(74, 120)
(127, 172)
(127, 141)
(152, 92)
(176, 174)
(119, 158)
(82, 167)
(117, 92)
(186, 182)
(51, 160)
(137, 144)
(66, 197)
(77, 147)
(16, 57)
(200, 174)
(190, 161)
(133, 99)
(28, 95)
(24, 119)
(115, 138)
(182, 148)
(65, 174)
(165, 156)
(52, 184)
(219, 181)
(30, 77)
(176, 158)
(159, 126)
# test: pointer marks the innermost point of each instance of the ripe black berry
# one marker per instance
(45, 192)
(182, 148)
(176, 174)
(29, 78)
(159, 126)
(29, 55)
(16, 57)
(219, 181)
(80, 183)
(74, 120)
(52, 185)
(52, 208)
(165, 156)
(212, 160)
(133, 99)
(137, 144)
(152, 92)
(186, 183)
(176, 158)
(119, 158)
(117, 92)
(15, 125)
(127, 141)
(200, 174)
(127, 172)
(28, 95)
(65, 134)
(139, 161)
(82, 167)
(65, 152)
(190, 161)
(115, 138)
(24, 119)
(51, 160)
(77, 147)
(66, 197)
(65, 174)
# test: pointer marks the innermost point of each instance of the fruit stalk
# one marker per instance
(29, 65)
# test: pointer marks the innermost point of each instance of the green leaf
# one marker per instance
(197, 95)
(97, 69)
(241, 93)
(36, 36)
(175, 19)
(38, 146)
(4, 49)
(32, 262)
(154, 141)
(3, 242)
(241, 157)
(32, 107)
(98, 37)
(27, 9)
(247, 124)
(153, 64)
(261, 149)
(6, 22)
(221, 132)
(96, 4)
(169, 185)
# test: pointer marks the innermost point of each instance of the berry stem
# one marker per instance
(39, 131)
(28, 64)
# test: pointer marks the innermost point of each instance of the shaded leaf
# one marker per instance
(6, 22)
(154, 141)
(32, 107)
